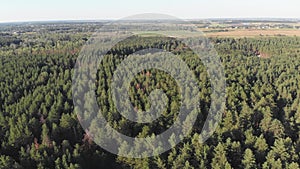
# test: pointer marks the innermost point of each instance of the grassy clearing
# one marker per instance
(254, 33)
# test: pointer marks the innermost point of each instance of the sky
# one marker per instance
(42, 10)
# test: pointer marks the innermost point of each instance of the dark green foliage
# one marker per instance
(39, 127)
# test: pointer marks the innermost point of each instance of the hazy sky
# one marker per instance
(32, 10)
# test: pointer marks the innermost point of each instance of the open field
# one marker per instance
(234, 33)
(253, 32)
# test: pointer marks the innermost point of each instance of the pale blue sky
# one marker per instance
(36, 10)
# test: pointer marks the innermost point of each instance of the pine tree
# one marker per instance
(248, 160)
(219, 160)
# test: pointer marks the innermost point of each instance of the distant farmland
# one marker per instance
(251, 32)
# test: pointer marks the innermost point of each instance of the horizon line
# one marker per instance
(182, 19)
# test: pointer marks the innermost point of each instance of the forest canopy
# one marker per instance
(40, 129)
